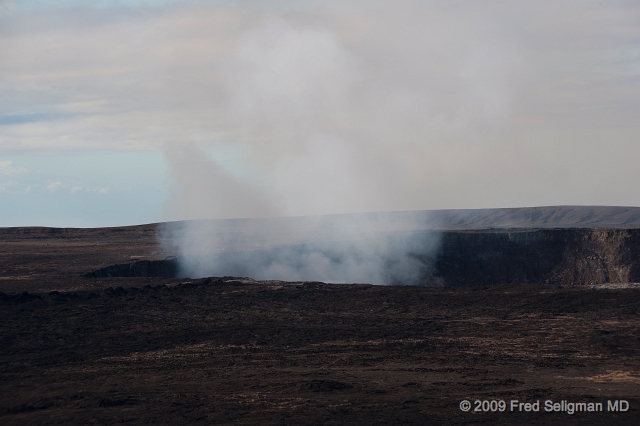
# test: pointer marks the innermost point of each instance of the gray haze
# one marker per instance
(280, 108)
(377, 248)
(372, 108)
(336, 107)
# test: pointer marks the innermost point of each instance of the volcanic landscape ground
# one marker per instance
(148, 350)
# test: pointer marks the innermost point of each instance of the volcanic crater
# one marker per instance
(99, 326)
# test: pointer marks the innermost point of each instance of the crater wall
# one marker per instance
(553, 256)
(477, 258)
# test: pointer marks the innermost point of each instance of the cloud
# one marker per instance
(73, 189)
(333, 107)
(12, 119)
(8, 169)
(137, 77)
(4, 186)
(97, 190)
(54, 186)
(204, 190)
(6, 6)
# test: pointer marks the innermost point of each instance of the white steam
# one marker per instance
(375, 248)
(312, 127)
(204, 189)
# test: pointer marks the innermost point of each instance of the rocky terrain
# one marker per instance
(526, 314)
(552, 256)
(221, 351)
(465, 258)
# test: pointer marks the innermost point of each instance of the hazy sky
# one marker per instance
(123, 112)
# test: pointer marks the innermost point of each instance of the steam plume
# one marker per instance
(313, 128)
(372, 248)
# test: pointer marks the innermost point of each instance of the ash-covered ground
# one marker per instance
(161, 350)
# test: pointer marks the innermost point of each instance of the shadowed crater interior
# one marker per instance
(463, 258)
(167, 268)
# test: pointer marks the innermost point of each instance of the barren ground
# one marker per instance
(218, 351)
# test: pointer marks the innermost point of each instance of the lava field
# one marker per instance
(76, 349)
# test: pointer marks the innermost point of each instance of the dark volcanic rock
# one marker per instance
(158, 350)
(556, 256)
(143, 268)
(464, 258)
(310, 353)
(325, 386)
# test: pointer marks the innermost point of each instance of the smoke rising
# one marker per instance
(332, 110)
(323, 114)
(373, 106)
(202, 188)
(372, 248)
(321, 128)
(293, 96)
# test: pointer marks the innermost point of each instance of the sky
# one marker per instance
(127, 112)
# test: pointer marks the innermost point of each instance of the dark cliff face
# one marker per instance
(476, 258)
(558, 256)
(143, 268)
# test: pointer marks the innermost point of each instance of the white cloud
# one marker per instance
(74, 188)
(364, 106)
(8, 169)
(54, 186)
(4, 186)
(7, 5)
(133, 80)
(102, 190)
